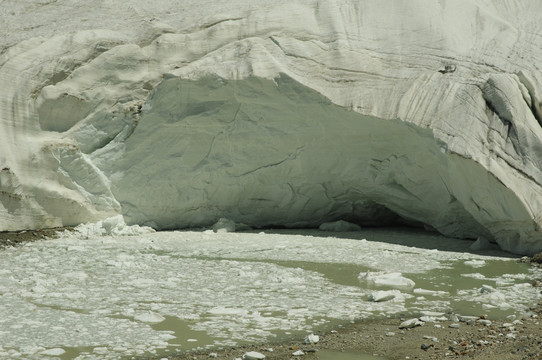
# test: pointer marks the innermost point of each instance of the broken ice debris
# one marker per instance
(383, 278)
(467, 319)
(53, 352)
(150, 317)
(425, 292)
(298, 353)
(253, 355)
(381, 296)
(411, 323)
(224, 225)
(475, 263)
(486, 289)
(312, 339)
(433, 313)
(484, 322)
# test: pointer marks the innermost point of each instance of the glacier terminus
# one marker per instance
(175, 114)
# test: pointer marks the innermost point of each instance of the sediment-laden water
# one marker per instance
(160, 293)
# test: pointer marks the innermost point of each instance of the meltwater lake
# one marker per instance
(100, 297)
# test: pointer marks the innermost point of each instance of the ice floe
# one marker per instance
(391, 279)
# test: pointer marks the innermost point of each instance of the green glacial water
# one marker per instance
(164, 293)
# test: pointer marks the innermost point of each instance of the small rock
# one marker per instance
(484, 322)
(389, 333)
(213, 355)
(298, 353)
(425, 347)
(269, 349)
(454, 326)
(253, 355)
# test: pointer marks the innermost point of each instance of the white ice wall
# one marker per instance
(176, 113)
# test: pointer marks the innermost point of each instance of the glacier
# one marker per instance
(175, 114)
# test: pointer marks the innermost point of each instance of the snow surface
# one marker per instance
(156, 292)
(296, 113)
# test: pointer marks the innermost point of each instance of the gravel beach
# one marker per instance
(509, 339)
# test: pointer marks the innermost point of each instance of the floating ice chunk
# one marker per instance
(475, 263)
(102, 350)
(224, 225)
(381, 296)
(432, 313)
(425, 292)
(253, 355)
(391, 279)
(474, 276)
(150, 317)
(486, 289)
(339, 226)
(312, 339)
(53, 352)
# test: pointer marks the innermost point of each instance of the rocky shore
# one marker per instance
(440, 336)
(14, 238)
(460, 337)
